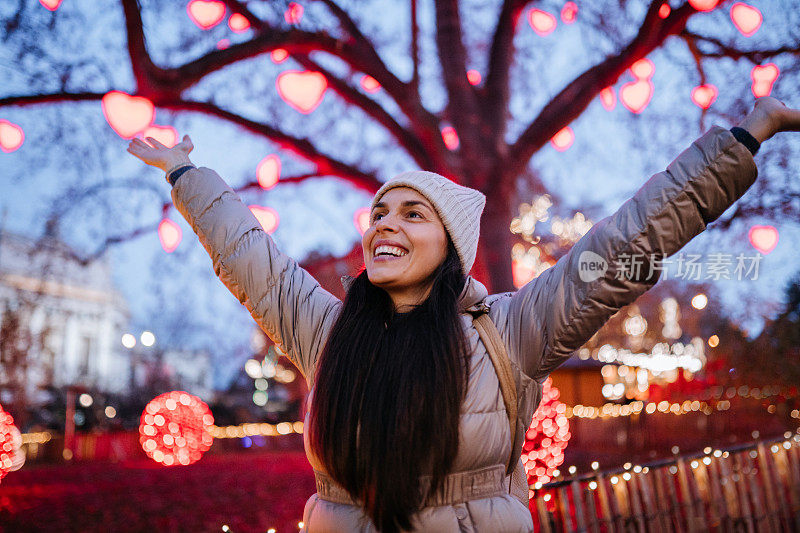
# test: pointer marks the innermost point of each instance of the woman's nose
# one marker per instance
(387, 222)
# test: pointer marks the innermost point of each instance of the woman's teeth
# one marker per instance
(390, 250)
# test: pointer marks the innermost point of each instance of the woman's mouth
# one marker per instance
(387, 253)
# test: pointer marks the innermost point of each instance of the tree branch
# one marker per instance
(725, 50)
(165, 85)
(578, 94)
(237, 7)
(302, 147)
(352, 96)
(501, 57)
(423, 123)
(414, 46)
(462, 105)
(326, 165)
(33, 99)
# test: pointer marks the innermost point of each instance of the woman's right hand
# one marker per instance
(161, 156)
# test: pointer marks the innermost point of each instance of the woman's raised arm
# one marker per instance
(552, 316)
(285, 300)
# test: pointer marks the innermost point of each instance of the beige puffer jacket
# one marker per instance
(542, 324)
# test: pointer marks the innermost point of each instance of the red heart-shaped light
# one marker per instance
(608, 98)
(763, 238)
(569, 12)
(370, 84)
(643, 69)
(450, 137)
(542, 22)
(278, 55)
(238, 23)
(126, 114)
(166, 135)
(361, 219)
(52, 5)
(763, 77)
(704, 95)
(664, 10)
(473, 77)
(563, 139)
(11, 136)
(302, 90)
(267, 217)
(704, 5)
(636, 95)
(293, 13)
(268, 171)
(206, 13)
(169, 233)
(747, 19)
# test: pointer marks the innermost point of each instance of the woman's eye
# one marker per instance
(377, 216)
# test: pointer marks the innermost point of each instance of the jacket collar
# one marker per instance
(470, 301)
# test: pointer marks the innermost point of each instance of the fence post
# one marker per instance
(766, 501)
(794, 483)
(606, 515)
(591, 509)
(577, 504)
(544, 515)
(675, 508)
(636, 503)
(563, 507)
(744, 501)
(695, 519)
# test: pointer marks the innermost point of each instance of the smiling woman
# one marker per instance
(403, 246)
(408, 427)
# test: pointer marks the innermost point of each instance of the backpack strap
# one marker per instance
(502, 366)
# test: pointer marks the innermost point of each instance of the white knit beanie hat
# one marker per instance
(459, 208)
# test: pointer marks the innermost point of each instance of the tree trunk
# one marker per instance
(494, 252)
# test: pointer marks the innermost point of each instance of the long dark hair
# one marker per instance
(388, 394)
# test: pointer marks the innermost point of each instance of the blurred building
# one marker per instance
(61, 320)
(156, 371)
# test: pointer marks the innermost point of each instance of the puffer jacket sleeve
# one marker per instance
(554, 314)
(285, 300)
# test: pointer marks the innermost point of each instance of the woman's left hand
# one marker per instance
(770, 116)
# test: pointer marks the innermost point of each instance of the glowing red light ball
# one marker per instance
(9, 449)
(547, 437)
(175, 428)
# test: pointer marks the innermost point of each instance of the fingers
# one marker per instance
(156, 143)
(792, 120)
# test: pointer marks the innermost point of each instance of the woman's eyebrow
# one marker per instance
(407, 203)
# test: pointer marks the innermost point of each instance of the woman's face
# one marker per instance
(404, 244)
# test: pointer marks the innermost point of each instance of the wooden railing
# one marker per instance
(749, 488)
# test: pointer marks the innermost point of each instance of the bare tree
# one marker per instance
(495, 142)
